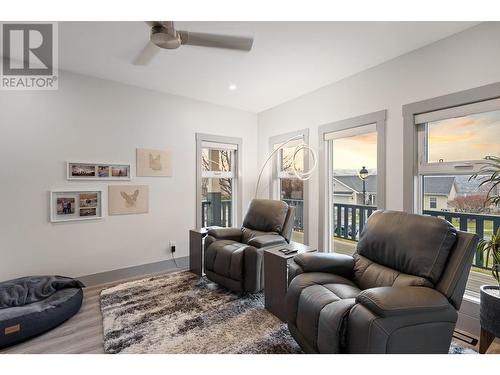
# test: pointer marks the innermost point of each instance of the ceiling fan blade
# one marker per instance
(216, 41)
(146, 55)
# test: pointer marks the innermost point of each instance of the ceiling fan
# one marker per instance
(164, 35)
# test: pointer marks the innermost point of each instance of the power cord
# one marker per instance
(172, 249)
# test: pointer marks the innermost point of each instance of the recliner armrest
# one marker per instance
(394, 301)
(226, 233)
(266, 240)
(338, 264)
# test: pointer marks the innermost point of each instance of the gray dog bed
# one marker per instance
(33, 305)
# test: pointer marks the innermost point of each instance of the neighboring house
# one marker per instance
(467, 186)
(438, 190)
(348, 189)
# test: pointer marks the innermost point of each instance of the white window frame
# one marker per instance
(220, 142)
(477, 100)
(413, 168)
(277, 173)
(345, 128)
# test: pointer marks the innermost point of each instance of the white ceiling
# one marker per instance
(288, 59)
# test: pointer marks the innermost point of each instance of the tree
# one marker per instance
(476, 203)
(223, 164)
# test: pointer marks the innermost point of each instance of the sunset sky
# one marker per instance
(355, 152)
(465, 138)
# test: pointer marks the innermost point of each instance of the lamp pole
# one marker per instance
(363, 175)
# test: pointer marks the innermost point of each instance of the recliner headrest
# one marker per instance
(414, 244)
(266, 215)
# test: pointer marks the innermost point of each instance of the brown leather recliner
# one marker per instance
(399, 293)
(234, 256)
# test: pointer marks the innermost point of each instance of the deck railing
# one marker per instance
(226, 213)
(298, 224)
(483, 225)
(226, 217)
(349, 220)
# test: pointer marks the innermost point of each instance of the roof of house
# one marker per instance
(465, 187)
(438, 185)
(355, 183)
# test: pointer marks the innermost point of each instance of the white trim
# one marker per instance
(287, 174)
(410, 132)
(325, 227)
(236, 163)
(216, 174)
(290, 144)
(412, 166)
(351, 132)
(99, 208)
(219, 145)
(276, 175)
(458, 111)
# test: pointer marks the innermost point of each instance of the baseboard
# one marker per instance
(129, 272)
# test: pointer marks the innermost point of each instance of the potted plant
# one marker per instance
(489, 173)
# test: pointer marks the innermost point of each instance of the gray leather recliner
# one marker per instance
(399, 293)
(234, 256)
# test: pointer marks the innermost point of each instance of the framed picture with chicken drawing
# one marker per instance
(128, 199)
(153, 163)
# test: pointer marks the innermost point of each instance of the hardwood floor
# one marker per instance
(83, 332)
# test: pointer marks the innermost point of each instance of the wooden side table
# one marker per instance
(196, 250)
(276, 276)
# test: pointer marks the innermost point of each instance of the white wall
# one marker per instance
(97, 120)
(462, 61)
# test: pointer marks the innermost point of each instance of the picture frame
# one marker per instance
(75, 205)
(153, 163)
(128, 199)
(81, 170)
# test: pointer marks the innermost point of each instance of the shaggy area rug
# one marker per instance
(181, 313)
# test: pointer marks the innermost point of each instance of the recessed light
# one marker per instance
(232, 87)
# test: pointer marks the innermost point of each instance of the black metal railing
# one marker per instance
(483, 225)
(226, 217)
(349, 220)
(298, 224)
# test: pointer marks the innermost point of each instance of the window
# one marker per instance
(451, 145)
(285, 185)
(217, 181)
(351, 178)
(432, 202)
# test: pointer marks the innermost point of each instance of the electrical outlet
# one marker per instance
(172, 246)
